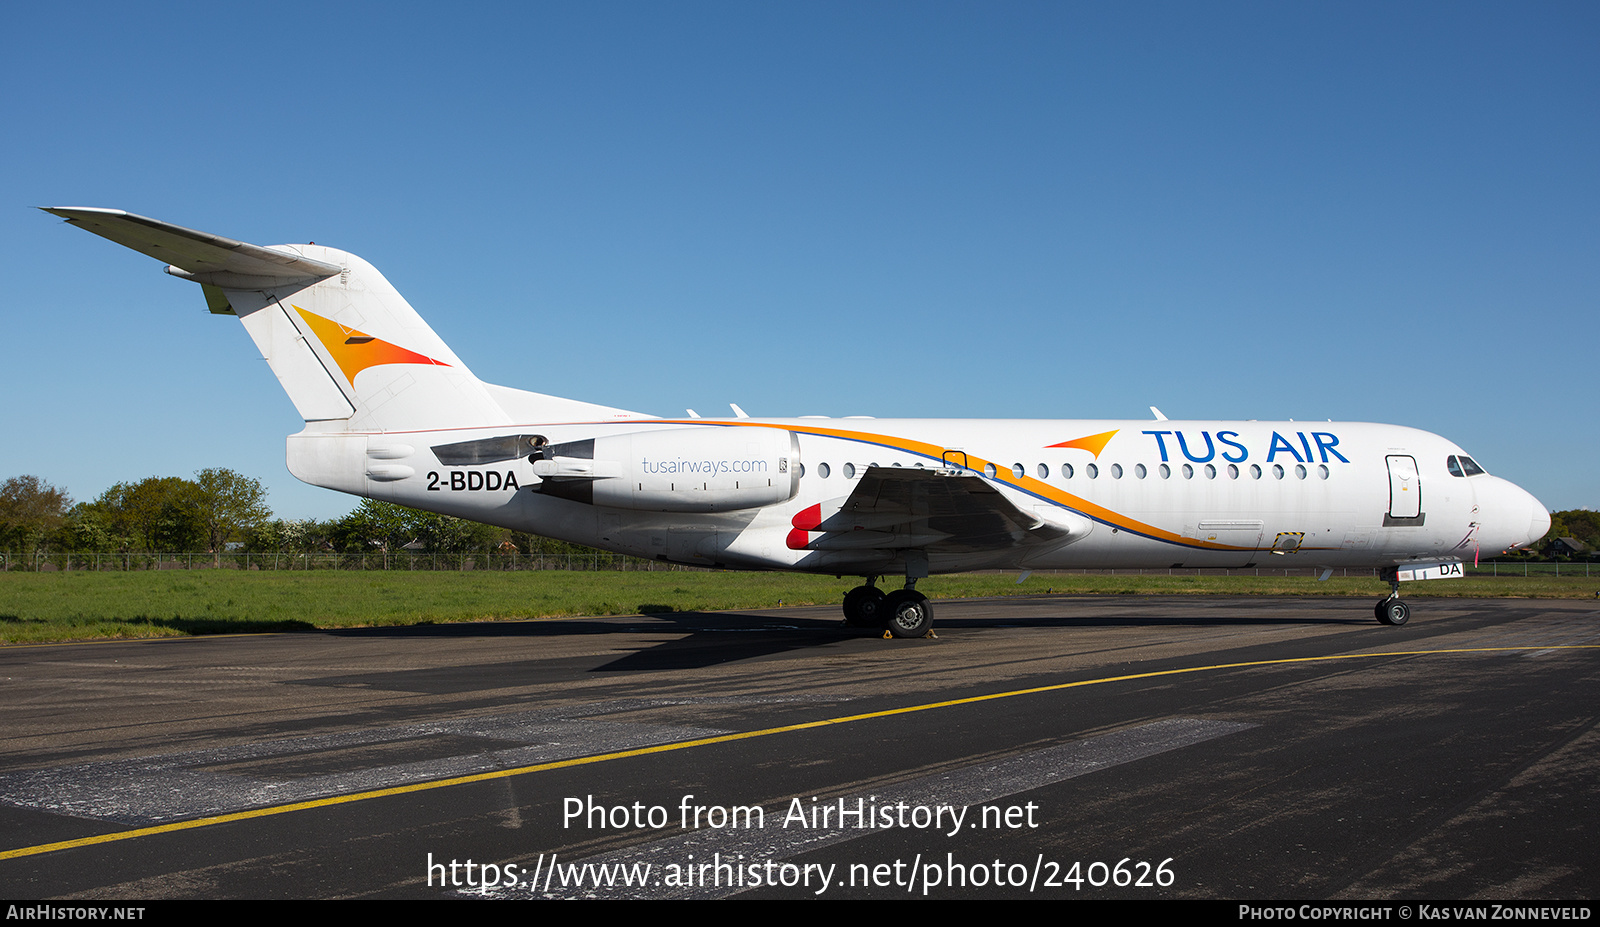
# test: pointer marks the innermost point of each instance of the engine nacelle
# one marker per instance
(695, 469)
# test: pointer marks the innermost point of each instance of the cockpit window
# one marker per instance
(1463, 466)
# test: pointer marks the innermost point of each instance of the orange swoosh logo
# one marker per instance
(355, 351)
(1094, 444)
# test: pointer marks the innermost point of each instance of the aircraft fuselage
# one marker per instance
(1152, 494)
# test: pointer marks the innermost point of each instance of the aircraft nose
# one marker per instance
(1514, 514)
(1539, 524)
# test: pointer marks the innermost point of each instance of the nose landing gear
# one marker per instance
(1392, 611)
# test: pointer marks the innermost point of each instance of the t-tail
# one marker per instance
(352, 354)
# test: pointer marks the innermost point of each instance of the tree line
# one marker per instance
(220, 511)
(1582, 524)
(223, 510)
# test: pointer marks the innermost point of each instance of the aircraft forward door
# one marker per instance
(1405, 491)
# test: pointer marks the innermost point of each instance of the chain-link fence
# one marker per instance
(593, 560)
(330, 560)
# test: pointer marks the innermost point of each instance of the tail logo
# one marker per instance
(355, 351)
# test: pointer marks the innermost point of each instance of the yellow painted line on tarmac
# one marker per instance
(719, 739)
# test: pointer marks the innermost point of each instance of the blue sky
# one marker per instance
(1372, 212)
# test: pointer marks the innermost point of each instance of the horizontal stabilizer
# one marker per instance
(199, 256)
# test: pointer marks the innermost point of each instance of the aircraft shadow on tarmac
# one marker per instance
(702, 639)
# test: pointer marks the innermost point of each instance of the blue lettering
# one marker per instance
(1305, 444)
(1211, 450)
(1280, 444)
(1160, 443)
(1222, 437)
(1326, 446)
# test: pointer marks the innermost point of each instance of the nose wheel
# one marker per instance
(1392, 611)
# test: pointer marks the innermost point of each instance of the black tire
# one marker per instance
(863, 607)
(907, 613)
(1392, 612)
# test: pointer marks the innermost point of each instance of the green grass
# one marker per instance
(38, 607)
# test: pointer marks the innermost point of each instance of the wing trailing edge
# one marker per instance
(933, 510)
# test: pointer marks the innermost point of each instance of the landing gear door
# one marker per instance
(1405, 491)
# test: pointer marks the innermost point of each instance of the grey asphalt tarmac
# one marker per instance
(1045, 746)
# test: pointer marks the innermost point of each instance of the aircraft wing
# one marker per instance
(933, 510)
(200, 256)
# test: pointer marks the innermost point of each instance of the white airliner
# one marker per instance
(393, 414)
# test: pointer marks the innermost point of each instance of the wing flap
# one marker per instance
(937, 511)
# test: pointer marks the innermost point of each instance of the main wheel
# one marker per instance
(863, 607)
(908, 613)
(1392, 611)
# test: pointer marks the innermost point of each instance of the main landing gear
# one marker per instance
(1392, 611)
(903, 612)
(863, 606)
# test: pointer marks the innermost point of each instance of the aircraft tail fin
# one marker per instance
(345, 345)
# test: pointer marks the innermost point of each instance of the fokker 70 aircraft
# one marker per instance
(393, 414)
